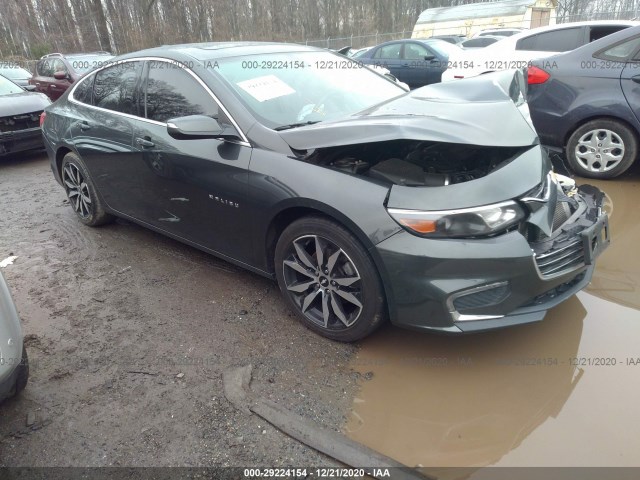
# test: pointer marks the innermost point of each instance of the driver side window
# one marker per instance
(389, 51)
(413, 51)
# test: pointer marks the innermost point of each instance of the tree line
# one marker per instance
(31, 28)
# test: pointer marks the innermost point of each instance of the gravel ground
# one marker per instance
(129, 332)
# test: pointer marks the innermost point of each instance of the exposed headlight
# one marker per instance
(465, 222)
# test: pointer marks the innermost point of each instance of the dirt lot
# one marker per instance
(128, 333)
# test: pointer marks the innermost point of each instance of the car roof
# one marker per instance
(604, 42)
(208, 51)
(559, 26)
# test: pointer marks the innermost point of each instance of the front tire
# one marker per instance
(328, 279)
(602, 149)
(82, 193)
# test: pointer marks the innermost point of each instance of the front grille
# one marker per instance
(484, 298)
(16, 123)
(563, 258)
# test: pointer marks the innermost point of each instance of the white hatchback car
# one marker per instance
(518, 50)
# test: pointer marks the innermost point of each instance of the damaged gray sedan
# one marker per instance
(436, 209)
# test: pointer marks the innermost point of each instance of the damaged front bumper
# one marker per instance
(466, 285)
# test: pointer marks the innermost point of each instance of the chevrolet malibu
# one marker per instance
(436, 208)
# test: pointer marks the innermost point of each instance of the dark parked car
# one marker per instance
(586, 103)
(414, 62)
(436, 208)
(480, 42)
(19, 118)
(454, 39)
(56, 72)
(15, 73)
(14, 363)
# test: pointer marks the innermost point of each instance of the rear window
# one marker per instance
(561, 40)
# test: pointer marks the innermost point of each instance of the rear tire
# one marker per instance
(601, 148)
(82, 193)
(328, 279)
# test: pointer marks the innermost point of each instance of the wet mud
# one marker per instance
(561, 392)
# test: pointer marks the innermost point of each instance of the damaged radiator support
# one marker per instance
(414, 163)
(236, 388)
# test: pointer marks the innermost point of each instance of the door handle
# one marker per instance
(143, 142)
(84, 126)
(636, 78)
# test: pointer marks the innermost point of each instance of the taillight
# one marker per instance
(43, 115)
(536, 75)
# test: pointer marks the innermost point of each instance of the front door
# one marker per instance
(194, 189)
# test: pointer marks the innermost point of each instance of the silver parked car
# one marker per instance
(14, 366)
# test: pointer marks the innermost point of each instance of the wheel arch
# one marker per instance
(289, 213)
(61, 152)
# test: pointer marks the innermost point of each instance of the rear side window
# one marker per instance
(84, 90)
(561, 40)
(171, 92)
(389, 51)
(45, 68)
(115, 88)
(620, 52)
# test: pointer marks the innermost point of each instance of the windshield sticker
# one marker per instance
(266, 88)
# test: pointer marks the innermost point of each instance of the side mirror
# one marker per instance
(429, 57)
(195, 127)
(30, 88)
(60, 75)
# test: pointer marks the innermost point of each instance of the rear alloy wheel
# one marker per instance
(329, 280)
(82, 193)
(601, 149)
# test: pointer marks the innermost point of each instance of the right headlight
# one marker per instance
(460, 223)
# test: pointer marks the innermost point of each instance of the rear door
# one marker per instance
(193, 189)
(107, 103)
(390, 57)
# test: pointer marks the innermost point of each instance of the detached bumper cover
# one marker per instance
(466, 285)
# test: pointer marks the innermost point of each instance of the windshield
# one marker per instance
(7, 87)
(285, 90)
(83, 63)
(15, 73)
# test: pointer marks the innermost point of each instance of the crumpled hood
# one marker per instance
(476, 111)
(21, 103)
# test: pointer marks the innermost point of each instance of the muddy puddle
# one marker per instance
(562, 392)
